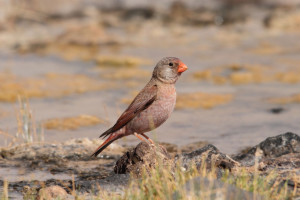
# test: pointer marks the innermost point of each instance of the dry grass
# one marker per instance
(288, 77)
(287, 21)
(246, 74)
(76, 42)
(49, 85)
(286, 100)
(201, 100)
(73, 123)
(164, 183)
(28, 129)
(4, 195)
(266, 49)
(120, 61)
(67, 51)
(229, 38)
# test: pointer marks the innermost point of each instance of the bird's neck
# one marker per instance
(165, 81)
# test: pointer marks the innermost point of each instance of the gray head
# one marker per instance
(168, 70)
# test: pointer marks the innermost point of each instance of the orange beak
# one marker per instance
(182, 67)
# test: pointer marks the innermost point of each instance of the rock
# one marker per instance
(142, 156)
(279, 154)
(115, 183)
(272, 147)
(198, 187)
(277, 110)
(210, 154)
(145, 155)
(52, 192)
(287, 168)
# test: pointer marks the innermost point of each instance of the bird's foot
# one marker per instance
(152, 145)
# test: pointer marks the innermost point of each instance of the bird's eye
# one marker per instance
(170, 64)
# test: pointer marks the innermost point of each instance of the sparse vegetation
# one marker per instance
(237, 74)
(49, 85)
(121, 61)
(286, 100)
(4, 193)
(201, 100)
(72, 123)
(163, 182)
(28, 129)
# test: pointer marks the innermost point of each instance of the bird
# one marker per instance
(151, 107)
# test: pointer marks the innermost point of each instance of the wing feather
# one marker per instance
(141, 102)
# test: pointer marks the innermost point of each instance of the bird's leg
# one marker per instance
(138, 136)
(145, 136)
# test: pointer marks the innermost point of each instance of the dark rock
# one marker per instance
(204, 188)
(276, 110)
(145, 156)
(279, 154)
(287, 168)
(210, 154)
(272, 147)
(112, 183)
(144, 13)
(142, 156)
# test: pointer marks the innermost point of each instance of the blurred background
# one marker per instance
(69, 68)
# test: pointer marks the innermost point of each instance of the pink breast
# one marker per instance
(156, 114)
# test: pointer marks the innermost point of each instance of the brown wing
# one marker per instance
(142, 101)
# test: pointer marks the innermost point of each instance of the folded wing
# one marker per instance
(141, 102)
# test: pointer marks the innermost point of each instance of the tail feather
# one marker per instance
(106, 143)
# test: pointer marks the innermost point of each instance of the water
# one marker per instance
(17, 175)
(242, 122)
